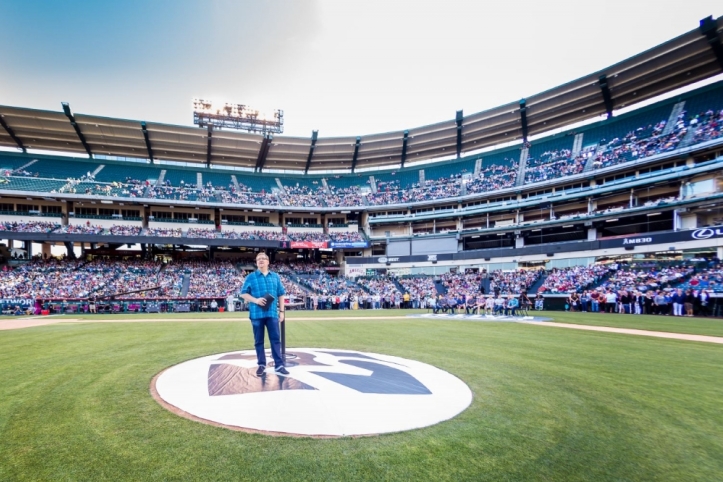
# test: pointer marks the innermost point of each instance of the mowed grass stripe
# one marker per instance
(670, 324)
(549, 404)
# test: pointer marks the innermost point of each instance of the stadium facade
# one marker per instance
(645, 181)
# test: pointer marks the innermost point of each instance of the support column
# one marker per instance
(45, 250)
(592, 234)
(685, 190)
(67, 209)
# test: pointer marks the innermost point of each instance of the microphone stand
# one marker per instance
(287, 357)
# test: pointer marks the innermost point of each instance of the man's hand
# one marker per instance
(260, 301)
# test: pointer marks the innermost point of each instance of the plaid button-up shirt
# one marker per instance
(257, 285)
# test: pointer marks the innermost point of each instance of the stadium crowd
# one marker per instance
(29, 226)
(573, 278)
(125, 230)
(643, 141)
(164, 232)
(676, 289)
(82, 229)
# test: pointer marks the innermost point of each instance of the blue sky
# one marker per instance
(344, 67)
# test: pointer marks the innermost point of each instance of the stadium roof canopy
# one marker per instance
(691, 57)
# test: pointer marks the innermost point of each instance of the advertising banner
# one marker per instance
(348, 244)
(16, 301)
(308, 244)
(699, 234)
(353, 272)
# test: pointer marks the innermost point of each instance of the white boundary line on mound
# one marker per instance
(630, 331)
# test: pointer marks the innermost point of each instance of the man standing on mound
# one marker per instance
(264, 294)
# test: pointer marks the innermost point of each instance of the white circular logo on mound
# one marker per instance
(330, 392)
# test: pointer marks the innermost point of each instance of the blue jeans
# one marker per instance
(272, 326)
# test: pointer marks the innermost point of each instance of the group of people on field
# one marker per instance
(675, 302)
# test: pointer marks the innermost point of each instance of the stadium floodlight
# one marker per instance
(236, 116)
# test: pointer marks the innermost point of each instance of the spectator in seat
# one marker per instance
(489, 305)
(470, 305)
(512, 305)
(499, 305)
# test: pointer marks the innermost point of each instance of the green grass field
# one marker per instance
(549, 403)
(694, 326)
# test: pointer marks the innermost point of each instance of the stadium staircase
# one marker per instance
(602, 280)
(524, 154)
(281, 186)
(485, 283)
(301, 281)
(673, 117)
(326, 185)
(577, 144)
(477, 167)
(688, 139)
(199, 180)
(161, 177)
(591, 160)
(354, 285)
(186, 284)
(373, 184)
(440, 287)
(276, 192)
(97, 170)
(365, 289)
(66, 187)
(22, 168)
(399, 286)
(303, 287)
(537, 284)
(292, 276)
(235, 181)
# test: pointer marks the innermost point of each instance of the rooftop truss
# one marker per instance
(691, 57)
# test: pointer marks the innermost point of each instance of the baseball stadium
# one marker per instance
(533, 291)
